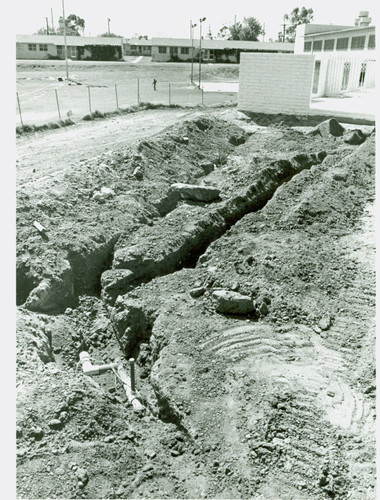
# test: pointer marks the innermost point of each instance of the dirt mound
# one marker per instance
(275, 400)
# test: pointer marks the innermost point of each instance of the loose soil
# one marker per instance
(276, 402)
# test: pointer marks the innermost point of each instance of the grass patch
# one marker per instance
(27, 129)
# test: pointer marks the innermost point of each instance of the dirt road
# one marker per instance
(53, 153)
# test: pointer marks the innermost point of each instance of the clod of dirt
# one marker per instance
(355, 137)
(329, 128)
(196, 193)
(236, 140)
(228, 302)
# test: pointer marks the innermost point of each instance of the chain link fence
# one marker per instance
(74, 100)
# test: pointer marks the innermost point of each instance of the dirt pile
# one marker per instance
(272, 396)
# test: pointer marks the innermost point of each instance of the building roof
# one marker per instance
(312, 29)
(139, 41)
(224, 44)
(77, 41)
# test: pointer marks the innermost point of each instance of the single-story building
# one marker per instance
(78, 47)
(344, 55)
(137, 47)
(219, 51)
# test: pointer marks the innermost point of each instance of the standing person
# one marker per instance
(154, 84)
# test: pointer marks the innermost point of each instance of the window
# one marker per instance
(32, 46)
(317, 45)
(346, 75)
(307, 47)
(328, 45)
(59, 51)
(362, 74)
(184, 50)
(72, 52)
(173, 51)
(342, 44)
(357, 42)
(162, 50)
(43, 47)
(371, 41)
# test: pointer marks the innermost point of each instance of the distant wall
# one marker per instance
(23, 52)
(275, 83)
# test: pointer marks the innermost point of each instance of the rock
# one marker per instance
(55, 423)
(236, 140)
(37, 433)
(120, 491)
(354, 137)
(138, 173)
(103, 194)
(194, 192)
(147, 468)
(325, 322)
(150, 453)
(323, 481)
(197, 292)
(82, 475)
(109, 439)
(229, 302)
(207, 167)
(185, 140)
(263, 309)
(329, 128)
(340, 176)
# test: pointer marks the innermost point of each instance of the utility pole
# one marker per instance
(283, 31)
(108, 21)
(52, 23)
(64, 38)
(200, 49)
(47, 26)
(192, 26)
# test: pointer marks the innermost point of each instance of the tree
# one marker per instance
(140, 37)
(249, 29)
(111, 35)
(296, 17)
(73, 23)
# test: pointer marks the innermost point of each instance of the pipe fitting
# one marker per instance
(90, 369)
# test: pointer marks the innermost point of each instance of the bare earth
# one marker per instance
(251, 316)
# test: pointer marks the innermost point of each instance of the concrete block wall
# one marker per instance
(275, 83)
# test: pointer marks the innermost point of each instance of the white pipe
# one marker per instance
(90, 369)
(132, 396)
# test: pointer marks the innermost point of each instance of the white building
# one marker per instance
(344, 55)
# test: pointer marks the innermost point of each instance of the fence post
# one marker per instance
(56, 98)
(169, 95)
(138, 90)
(89, 99)
(19, 109)
(117, 99)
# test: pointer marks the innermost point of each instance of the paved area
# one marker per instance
(359, 105)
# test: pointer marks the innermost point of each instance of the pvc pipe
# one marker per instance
(90, 369)
(131, 395)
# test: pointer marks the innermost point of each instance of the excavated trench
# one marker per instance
(179, 239)
(132, 322)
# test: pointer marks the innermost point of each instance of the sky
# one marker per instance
(171, 18)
